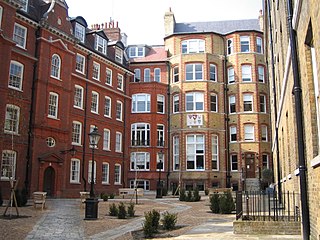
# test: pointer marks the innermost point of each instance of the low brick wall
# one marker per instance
(267, 227)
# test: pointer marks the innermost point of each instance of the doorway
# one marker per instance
(48, 181)
(250, 169)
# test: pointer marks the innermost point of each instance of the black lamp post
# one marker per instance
(92, 203)
(159, 185)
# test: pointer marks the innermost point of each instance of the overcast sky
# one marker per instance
(142, 20)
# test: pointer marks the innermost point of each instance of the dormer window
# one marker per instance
(119, 55)
(136, 52)
(24, 5)
(79, 32)
(101, 44)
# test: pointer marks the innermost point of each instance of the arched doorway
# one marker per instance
(48, 181)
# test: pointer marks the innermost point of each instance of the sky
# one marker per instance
(143, 20)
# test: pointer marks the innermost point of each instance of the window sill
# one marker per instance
(315, 162)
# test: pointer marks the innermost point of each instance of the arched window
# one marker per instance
(55, 66)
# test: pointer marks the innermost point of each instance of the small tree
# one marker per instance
(182, 196)
(189, 197)
(226, 203)
(122, 212)
(113, 210)
(196, 195)
(169, 220)
(214, 203)
(151, 223)
(131, 210)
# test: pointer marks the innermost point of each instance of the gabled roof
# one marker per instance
(221, 27)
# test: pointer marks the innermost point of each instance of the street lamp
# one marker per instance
(159, 166)
(91, 212)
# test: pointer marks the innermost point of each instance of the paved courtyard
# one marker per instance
(64, 219)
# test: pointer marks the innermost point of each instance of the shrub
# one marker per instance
(104, 196)
(111, 196)
(131, 210)
(169, 220)
(206, 192)
(182, 196)
(196, 195)
(151, 223)
(122, 212)
(226, 203)
(189, 197)
(113, 210)
(214, 203)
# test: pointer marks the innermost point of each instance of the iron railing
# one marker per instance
(267, 206)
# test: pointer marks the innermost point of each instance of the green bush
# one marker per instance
(182, 196)
(113, 210)
(206, 192)
(226, 203)
(169, 220)
(151, 223)
(131, 210)
(104, 196)
(189, 197)
(111, 196)
(122, 212)
(214, 203)
(196, 195)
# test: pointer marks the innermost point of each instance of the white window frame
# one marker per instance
(160, 135)
(176, 103)
(20, 35)
(247, 102)
(160, 103)
(193, 46)
(244, 44)
(214, 103)
(263, 161)
(118, 147)
(119, 55)
(193, 72)
(215, 152)
(162, 161)
(80, 63)
(107, 107)
(79, 32)
(24, 5)
(117, 174)
(140, 161)
(261, 74)
(1, 11)
(193, 148)
(137, 75)
(264, 133)
(232, 163)
(248, 132)
(176, 153)
(96, 71)
(101, 44)
(119, 111)
(263, 103)
(196, 97)
(140, 134)
(94, 102)
(229, 46)
(157, 75)
(11, 124)
(146, 75)
(78, 97)
(259, 45)
(175, 74)
(55, 66)
(233, 132)
(16, 75)
(90, 171)
(213, 73)
(232, 102)
(144, 98)
(120, 82)
(8, 161)
(231, 76)
(74, 170)
(76, 135)
(136, 52)
(53, 105)
(106, 139)
(246, 73)
(109, 76)
(105, 173)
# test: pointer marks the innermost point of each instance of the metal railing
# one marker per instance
(267, 206)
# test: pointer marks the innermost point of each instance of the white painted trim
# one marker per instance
(315, 162)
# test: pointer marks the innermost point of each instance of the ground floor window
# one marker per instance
(145, 184)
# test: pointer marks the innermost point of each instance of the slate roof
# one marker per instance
(221, 27)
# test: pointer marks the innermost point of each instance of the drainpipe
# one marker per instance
(299, 124)
(31, 114)
(85, 126)
(168, 123)
(124, 132)
(275, 105)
